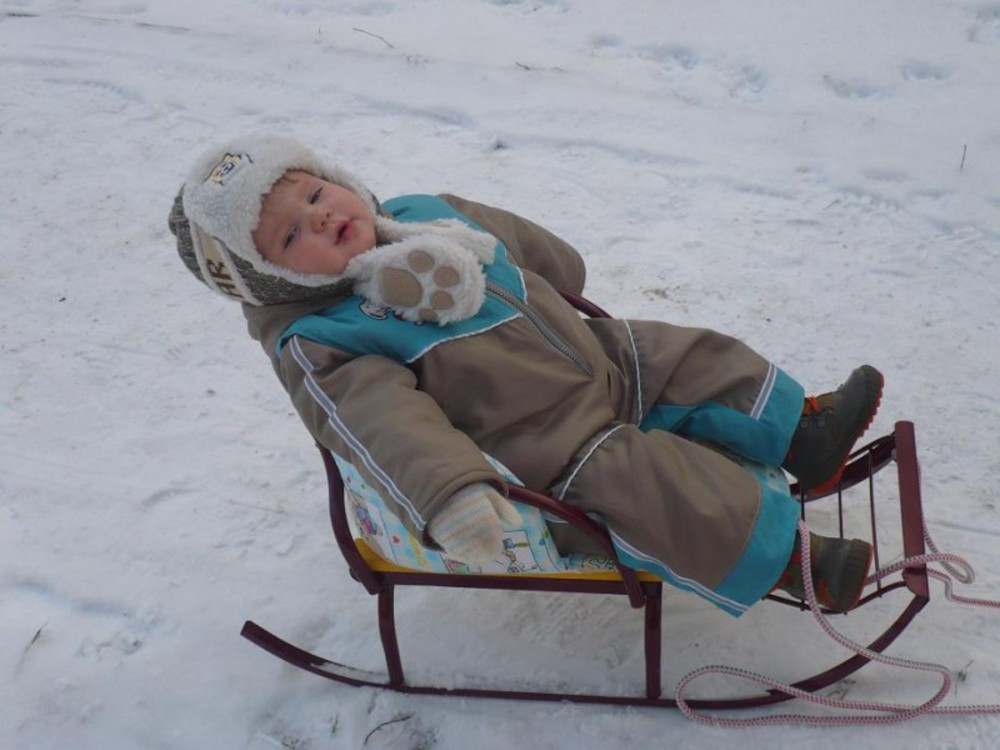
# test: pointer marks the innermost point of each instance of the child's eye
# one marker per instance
(314, 198)
(289, 238)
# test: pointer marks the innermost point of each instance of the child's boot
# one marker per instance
(838, 566)
(829, 427)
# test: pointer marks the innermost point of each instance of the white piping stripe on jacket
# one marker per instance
(687, 582)
(638, 374)
(765, 391)
(326, 403)
(582, 461)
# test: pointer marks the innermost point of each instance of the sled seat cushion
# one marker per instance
(387, 546)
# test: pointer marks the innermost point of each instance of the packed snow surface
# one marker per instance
(821, 179)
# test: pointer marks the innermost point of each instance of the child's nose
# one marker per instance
(320, 218)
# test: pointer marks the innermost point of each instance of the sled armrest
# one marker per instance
(591, 528)
(584, 305)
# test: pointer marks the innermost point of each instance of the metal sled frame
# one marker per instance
(641, 589)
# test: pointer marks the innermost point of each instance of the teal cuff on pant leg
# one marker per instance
(763, 560)
(771, 544)
(780, 414)
(762, 435)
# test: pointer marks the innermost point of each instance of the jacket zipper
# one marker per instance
(540, 325)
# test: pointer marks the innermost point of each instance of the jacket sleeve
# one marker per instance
(533, 247)
(368, 410)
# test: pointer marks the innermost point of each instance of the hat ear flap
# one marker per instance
(207, 258)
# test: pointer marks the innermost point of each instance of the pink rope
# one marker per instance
(888, 713)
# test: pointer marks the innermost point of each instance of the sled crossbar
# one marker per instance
(641, 589)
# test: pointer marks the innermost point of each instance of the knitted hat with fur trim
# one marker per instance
(218, 208)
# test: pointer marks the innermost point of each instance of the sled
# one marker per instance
(380, 575)
(380, 578)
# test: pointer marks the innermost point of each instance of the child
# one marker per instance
(413, 336)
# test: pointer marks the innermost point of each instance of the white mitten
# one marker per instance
(467, 526)
(429, 272)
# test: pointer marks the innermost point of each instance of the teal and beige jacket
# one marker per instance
(623, 419)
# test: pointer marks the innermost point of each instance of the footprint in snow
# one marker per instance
(669, 56)
(922, 70)
(748, 82)
(531, 5)
(985, 28)
(741, 80)
(855, 88)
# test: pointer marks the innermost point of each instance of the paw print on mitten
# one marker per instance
(423, 286)
(429, 279)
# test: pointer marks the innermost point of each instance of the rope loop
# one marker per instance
(957, 569)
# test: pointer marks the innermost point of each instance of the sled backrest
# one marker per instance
(528, 546)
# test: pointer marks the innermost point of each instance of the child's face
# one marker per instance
(313, 226)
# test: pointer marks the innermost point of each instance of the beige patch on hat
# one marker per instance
(228, 165)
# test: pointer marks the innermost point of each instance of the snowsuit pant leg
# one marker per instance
(679, 509)
(703, 384)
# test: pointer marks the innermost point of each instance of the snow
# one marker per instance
(820, 179)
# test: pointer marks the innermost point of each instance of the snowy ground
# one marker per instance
(818, 178)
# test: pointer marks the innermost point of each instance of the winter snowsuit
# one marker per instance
(598, 412)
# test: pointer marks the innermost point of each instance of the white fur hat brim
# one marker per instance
(225, 189)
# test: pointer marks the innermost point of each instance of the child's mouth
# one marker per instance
(342, 231)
